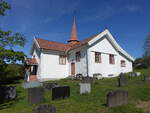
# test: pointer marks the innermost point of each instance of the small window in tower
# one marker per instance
(78, 56)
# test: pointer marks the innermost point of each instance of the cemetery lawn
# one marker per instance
(95, 102)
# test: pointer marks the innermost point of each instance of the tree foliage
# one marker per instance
(8, 40)
(9, 57)
(143, 62)
(3, 7)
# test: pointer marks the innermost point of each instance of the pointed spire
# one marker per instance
(73, 37)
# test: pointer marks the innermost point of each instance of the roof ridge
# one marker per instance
(51, 41)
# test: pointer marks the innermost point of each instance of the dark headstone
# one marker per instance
(122, 80)
(146, 78)
(79, 76)
(45, 108)
(87, 80)
(49, 86)
(117, 98)
(60, 92)
(35, 95)
(7, 93)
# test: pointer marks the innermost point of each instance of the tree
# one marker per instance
(8, 40)
(147, 46)
(3, 7)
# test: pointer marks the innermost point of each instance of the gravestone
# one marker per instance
(133, 74)
(85, 88)
(146, 78)
(7, 93)
(45, 108)
(49, 86)
(97, 76)
(117, 98)
(87, 79)
(79, 76)
(32, 84)
(122, 80)
(35, 95)
(60, 92)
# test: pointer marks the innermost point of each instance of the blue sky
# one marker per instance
(127, 20)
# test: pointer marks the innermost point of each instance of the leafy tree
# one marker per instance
(147, 46)
(8, 56)
(3, 7)
(141, 63)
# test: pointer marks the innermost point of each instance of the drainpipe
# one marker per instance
(87, 62)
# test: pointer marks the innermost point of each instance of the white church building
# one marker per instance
(97, 54)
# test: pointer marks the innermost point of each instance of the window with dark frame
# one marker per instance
(97, 57)
(62, 59)
(111, 59)
(78, 56)
(123, 63)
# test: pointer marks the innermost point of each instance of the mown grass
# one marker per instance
(95, 102)
(144, 71)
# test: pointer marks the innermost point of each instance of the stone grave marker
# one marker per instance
(133, 74)
(7, 93)
(146, 77)
(60, 92)
(44, 108)
(85, 88)
(35, 95)
(117, 98)
(122, 80)
(32, 84)
(79, 76)
(97, 76)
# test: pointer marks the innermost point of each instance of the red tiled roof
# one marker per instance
(51, 45)
(31, 61)
(56, 46)
(82, 42)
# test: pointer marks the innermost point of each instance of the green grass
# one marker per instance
(143, 71)
(95, 102)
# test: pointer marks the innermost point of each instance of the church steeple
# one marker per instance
(73, 38)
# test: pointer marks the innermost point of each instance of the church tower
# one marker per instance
(73, 38)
